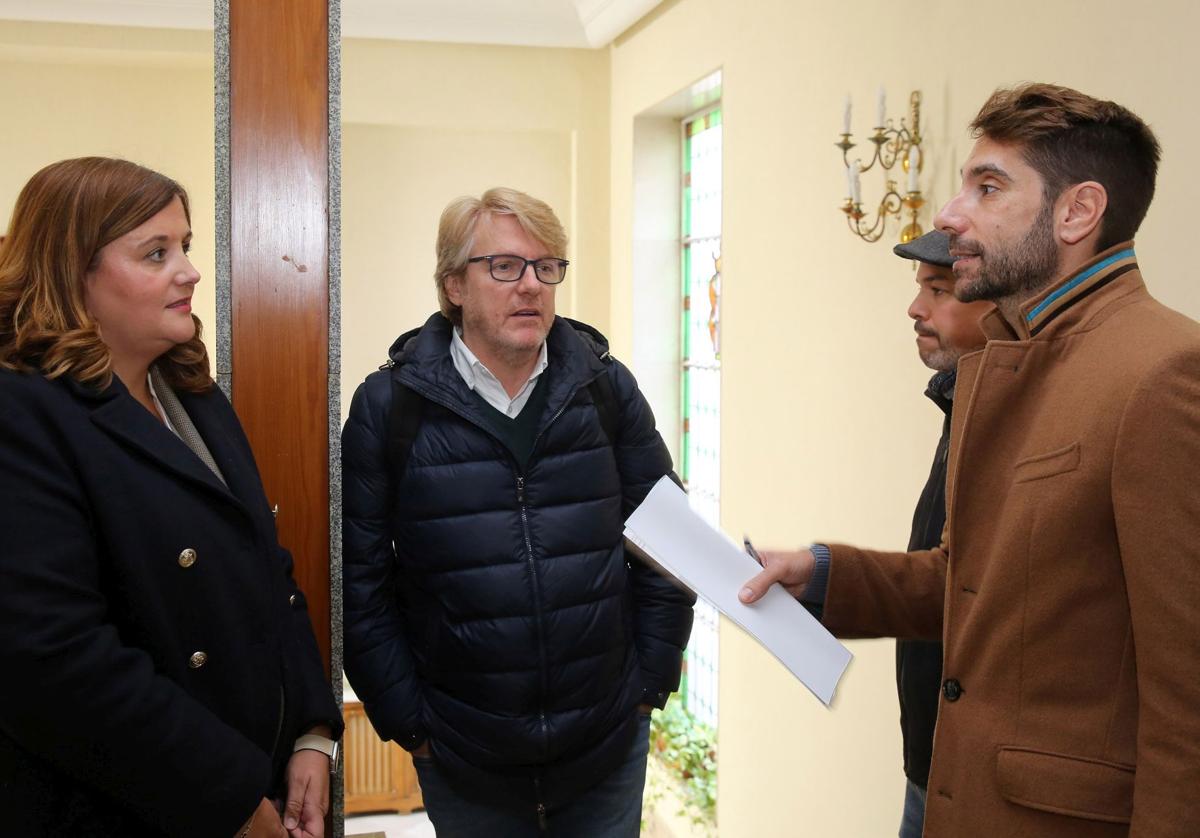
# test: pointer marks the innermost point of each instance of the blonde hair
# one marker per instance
(65, 214)
(456, 234)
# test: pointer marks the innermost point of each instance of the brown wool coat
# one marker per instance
(1069, 573)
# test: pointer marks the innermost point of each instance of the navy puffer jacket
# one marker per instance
(492, 609)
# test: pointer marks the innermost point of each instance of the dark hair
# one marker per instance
(1068, 137)
(65, 214)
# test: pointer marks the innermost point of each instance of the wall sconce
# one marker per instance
(892, 145)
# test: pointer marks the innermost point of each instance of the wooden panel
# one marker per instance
(279, 282)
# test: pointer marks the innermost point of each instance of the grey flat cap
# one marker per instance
(933, 247)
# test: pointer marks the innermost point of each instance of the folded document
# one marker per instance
(667, 529)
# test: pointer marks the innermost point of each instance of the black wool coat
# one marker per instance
(157, 656)
(492, 608)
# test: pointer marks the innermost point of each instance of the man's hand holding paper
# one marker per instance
(792, 570)
(666, 529)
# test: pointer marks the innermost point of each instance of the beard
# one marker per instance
(1009, 271)
(941, 358)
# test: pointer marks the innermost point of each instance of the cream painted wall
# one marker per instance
(825, 432)
(424, 123)
(142, 94)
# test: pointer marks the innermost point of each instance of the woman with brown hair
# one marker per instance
(161, 675)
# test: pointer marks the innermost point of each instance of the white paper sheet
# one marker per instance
(708, 562)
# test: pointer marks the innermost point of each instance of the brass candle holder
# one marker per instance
(893, 145)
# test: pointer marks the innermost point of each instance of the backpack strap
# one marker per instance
(404, 420)
(605, 399)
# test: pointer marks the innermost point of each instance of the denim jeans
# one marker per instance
(610, 809)
(912, 822)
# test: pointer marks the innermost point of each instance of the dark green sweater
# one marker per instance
(518, 433)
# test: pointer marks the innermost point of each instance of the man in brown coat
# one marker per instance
(1067, 585)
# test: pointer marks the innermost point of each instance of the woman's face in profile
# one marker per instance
(140, 291)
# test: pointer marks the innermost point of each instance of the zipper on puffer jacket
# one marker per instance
(544, 667)
(543, 825)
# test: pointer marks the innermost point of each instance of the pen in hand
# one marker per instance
(750, 550)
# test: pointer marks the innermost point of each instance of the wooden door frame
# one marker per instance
(278, 278)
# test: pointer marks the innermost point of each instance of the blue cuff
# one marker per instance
(813, 597)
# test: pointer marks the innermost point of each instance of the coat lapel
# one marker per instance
(120, 416)
(217, 424)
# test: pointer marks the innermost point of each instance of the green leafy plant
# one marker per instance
(687, 749)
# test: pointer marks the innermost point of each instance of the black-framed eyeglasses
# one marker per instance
(505, 267)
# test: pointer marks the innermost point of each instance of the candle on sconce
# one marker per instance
(893, 142)
(914, 168)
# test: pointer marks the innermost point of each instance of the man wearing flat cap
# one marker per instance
(946, 329)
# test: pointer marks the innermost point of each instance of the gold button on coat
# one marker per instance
(197, 660)
(292, 599)
(187, 558)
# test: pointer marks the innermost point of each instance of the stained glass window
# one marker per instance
(701, 371)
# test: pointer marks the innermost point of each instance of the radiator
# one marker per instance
(379, 775)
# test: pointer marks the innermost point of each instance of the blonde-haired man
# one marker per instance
(495, 626)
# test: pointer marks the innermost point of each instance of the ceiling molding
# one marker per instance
(604, 20)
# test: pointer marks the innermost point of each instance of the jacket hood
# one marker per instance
(590, 335)
(396, 350)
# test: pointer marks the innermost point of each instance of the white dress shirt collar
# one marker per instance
(480, 379)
